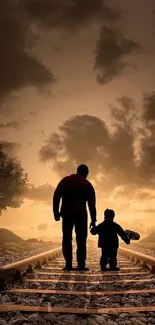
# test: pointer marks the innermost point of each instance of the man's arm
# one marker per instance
(123, 234)
(56, 200)
(92, 204)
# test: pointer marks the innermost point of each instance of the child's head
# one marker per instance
(109, 214)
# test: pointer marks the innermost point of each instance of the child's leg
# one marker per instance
(104, 258)
(113, 258)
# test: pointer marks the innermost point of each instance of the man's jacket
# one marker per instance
(108, 232)
(75, 191)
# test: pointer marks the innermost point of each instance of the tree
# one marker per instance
(13, 182)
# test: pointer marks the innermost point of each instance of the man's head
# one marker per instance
(109, 214)
(83, 170)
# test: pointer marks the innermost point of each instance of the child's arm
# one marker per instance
(123, 234)
(94, 230)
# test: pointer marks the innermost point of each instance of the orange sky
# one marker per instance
(70, 56)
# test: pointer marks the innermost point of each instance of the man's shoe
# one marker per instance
(114, 268)
(67, 268)
(82, 267)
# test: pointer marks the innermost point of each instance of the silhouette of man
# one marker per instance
(75, 191)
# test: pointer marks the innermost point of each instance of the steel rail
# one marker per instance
(147, 260)
(13, 271)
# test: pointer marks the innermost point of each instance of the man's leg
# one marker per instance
(81, 238)
(67, 227)
(113, 259)
(104, 259)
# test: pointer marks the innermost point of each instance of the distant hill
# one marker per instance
(8, 236)
(149, 239)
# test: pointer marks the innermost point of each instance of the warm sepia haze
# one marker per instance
(78, 86)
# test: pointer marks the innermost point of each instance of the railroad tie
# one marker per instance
(130, 280)
(76, 311)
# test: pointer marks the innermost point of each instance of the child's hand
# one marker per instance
(93, 231)
(93, 228)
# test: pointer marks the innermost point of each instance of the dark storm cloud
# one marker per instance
(73, 142)
(111, 54)
(112, 48)
(18, 67)
(70, 14)
(41, 193)
(149, 107)
(86, 139)
(43, 226)
(148, 139)
(109, 153)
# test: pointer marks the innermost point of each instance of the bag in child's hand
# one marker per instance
(132, 235)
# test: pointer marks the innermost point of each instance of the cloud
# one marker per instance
(43, 226)
(111, 54)
(9, 148)
(87, 139)
(144, 196)
(147, 142)
(14, 124)
(73, 143)
(8, 125)
(70, 14)
(41, 193)
(19, 68)
(138, 225)
(147, 210)
(33, 113)
(149, 107)
(112, 154)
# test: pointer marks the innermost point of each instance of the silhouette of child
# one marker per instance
(108, 241)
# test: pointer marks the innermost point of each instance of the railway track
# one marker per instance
(37, 291)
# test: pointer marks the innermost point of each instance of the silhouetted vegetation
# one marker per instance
(13, 182)
(35, 240)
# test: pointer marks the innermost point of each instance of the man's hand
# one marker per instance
(57, 216)
(92, 224)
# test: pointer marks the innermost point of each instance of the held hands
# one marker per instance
(92, 228)
(57, 216)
